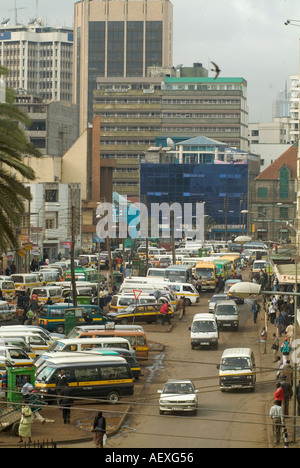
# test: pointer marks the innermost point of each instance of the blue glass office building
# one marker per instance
(223, 188)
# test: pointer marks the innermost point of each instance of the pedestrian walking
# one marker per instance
(181, 307)
(298, 397)
(285, 350)
(280, 323)
(99, 430)
(288, 371)
(290, 333)
(255, 309)
(287, 394)
(66, 402)
(26, 389)
(275, 347)
(279, 394)
(61, 382)
(276, 414)
(263, 340)
(25, 424)
(165, 314)
(272, 313)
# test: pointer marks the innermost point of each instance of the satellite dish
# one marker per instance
(170, 143)
(5, 22)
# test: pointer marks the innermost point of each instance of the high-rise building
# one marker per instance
(135, 112)
(39, 59)
(118, 38)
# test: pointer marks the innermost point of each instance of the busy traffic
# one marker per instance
(105, 346)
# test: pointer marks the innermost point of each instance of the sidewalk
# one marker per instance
(269, 369)
(78, 433)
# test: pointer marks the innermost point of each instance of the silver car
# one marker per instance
(215, 299)
(177, 396)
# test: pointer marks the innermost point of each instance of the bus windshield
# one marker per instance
(204, 273)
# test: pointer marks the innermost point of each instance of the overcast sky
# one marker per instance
(246, 38)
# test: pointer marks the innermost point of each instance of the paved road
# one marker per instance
(224, 420)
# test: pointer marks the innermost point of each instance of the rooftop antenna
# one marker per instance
(15, 9)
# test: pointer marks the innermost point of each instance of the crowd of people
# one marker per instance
(279, 310)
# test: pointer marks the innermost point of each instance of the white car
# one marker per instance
(214, 299)
(177, 396)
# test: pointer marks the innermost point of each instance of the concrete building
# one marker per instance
(276, 132)
(135, 111)
(81, 165)
(118, 38)
(54, 125)
(51, 219)
(39, 59)
(272, 199)
(294, 108)
(204, 170)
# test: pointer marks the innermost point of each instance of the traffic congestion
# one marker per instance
(102, 347)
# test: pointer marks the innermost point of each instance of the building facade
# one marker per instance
(118, 38)
(136, 111)
(39, 59)
(51, 219)
(222, 185)
(272, 200)
(54, 125)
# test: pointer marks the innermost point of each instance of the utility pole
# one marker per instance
(110, 279)
(226, 218)
(172, 222)
(73, 234)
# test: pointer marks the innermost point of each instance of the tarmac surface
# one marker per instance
(78, 432)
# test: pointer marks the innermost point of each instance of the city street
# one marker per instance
(236, 419)
(225, 420)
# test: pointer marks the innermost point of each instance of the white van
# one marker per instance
(122, 301)
(204, 331)
(48, 276)
(76, 345)
(6, 314)
(36, 342)
(187, 290)
(27, 281)
(156, 272)
(46, 292)
(48, 336)
(8, 288)
(17, 342)
(237, 369)
(227, 315)
(17, 356)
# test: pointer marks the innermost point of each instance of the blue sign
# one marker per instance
(5, 36)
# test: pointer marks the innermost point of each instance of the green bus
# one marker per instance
(88, 275)
(223, 268)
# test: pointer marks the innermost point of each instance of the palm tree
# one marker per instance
(14, 145)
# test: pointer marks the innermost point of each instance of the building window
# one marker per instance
(51, 196)
(284, 181)
(262, 192)
(284, 213)
(262, 212)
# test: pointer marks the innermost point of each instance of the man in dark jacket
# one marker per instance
(66, 402)
(287, 394)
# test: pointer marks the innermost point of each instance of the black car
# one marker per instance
(149, 313)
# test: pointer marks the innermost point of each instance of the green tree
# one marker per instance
(14, 145)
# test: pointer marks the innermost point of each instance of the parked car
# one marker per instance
(178, 395)
(148, 313)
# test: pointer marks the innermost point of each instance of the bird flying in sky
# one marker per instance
(216, 69)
